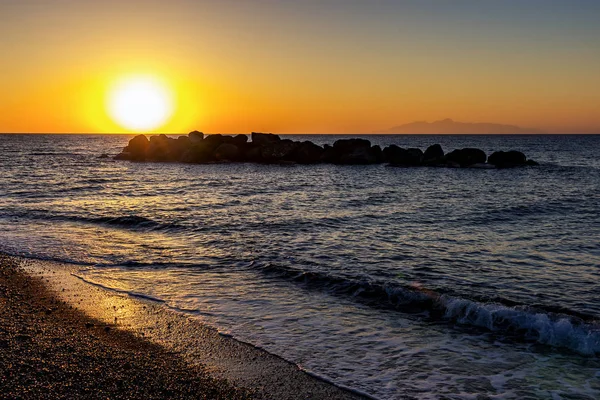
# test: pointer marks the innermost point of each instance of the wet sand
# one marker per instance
(63, 338)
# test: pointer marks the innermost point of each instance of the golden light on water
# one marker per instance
(140, 103)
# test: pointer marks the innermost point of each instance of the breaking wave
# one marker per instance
(568, 330)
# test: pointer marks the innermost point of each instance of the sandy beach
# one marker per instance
(63, 338)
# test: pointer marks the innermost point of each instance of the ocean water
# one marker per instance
(398, 282)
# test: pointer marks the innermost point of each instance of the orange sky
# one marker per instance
(316, 67)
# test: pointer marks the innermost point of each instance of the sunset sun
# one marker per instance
(140, 103)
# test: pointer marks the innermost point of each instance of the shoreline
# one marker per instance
(125, 330)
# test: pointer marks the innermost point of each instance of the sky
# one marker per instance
(327, 66)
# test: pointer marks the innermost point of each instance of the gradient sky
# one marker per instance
(339, 66)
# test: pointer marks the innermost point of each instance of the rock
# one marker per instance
(213, 141)
(413, 157)
(308, 153)
(125, 155)
(252, 153)
(262, 139)
(240, 139)
(270, 148)
(466, 157)
(281, 150)
(196, 137)
(349, 145)
(179, 146)
(531, 163)
(329, 155)
(104, 155)
(507, 159)
(392, 154)
(406, 157)
(433, 155)
(228, 152)
(159, 149)
(137, 147)
(353, 151)
(198, 154)
(377, 153)
(184, 141)
(361, 156)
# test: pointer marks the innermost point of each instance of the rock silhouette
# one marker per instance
(466, 157)
(509, 159)
(268, 148)
(433, 155)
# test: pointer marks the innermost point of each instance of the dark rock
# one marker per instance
(184, 141)
(198, 154)
(281, 150)
(179, 146)
(466, 157)
(159, 149)
(308, 153)
(405, 157)
(196, 137)
(125, 155)
(532, 163)
(413, 157)
(211, 142)
(252, 153)
(433, 155)
(240, 139)
(348, 145)
(393, 154)
(507, 159)
(228, 152)
(377, 153)
(137, 147)
(351, 151)
(262, 139)
(361, 155)
(104, 155)
(329, 155)
(270, 148)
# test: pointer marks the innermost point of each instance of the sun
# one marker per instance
(140, 103)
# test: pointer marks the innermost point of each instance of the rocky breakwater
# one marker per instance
(268, 148)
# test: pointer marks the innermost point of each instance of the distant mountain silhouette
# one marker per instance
(448, 126)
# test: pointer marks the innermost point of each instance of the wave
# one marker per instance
(572, 331)
(537, 211)
(124, 221)
(53, 153)
(552, 326)
(121, 291)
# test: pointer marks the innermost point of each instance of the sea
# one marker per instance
(426, 283)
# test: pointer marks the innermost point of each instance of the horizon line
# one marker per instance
(303, 133)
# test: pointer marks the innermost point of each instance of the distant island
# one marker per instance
(448, 126)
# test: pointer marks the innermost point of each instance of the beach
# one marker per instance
(68, 344)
